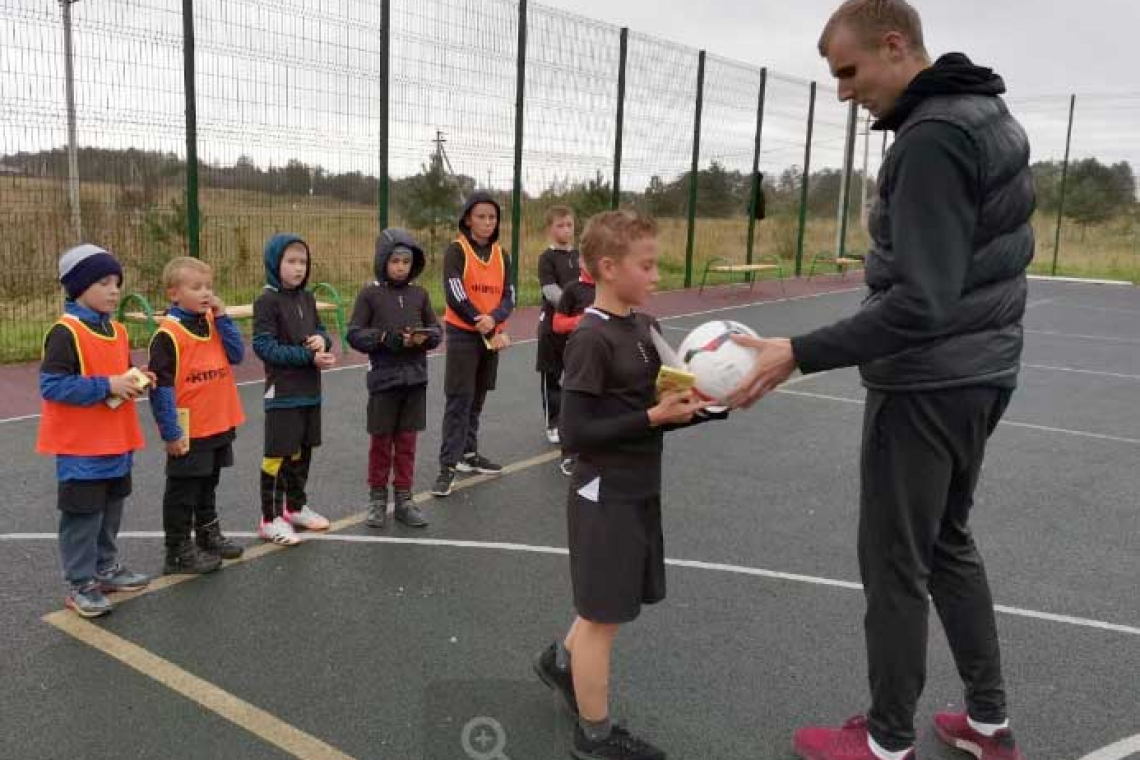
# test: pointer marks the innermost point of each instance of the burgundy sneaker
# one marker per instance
(954, 730)
(846, 743)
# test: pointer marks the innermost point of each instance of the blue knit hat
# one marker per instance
(83, 266)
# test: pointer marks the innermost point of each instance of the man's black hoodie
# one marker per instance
(951, 241)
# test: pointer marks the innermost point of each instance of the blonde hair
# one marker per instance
(610, 234)
(172, 272)
(871, 19)
(554, 213)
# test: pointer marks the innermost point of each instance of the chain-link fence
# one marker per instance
(330, 119)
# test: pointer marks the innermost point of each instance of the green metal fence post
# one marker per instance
(804, 183)
(385, 79)
(754, 196)
(1064, 184)
(193, 216)
(615, 201)
(516, 195)
(848, 168)
(693, 174)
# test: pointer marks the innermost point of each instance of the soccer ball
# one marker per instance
(719, 363)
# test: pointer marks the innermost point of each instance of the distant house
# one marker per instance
(13, 171)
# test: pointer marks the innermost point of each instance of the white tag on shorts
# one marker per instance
(589, 492)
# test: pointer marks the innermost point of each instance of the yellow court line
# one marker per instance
(215, 699)
(234, 709)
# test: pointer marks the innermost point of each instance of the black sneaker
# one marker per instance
(444, 482)
(619, 745)
(187, 559)
(211, 539)
(561, 681)
(478, 463)
(407, 512)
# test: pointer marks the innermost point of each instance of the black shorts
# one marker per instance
(287, 431)
(470, 367)
(397, 410)
(617, 550)
(202, 461)
(90, 496)
(548, 353)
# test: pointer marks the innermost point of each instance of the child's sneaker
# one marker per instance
(306, 519)
(556, 678)
(552, 436)
(187, 559)
(277, 531)
(444, 483)
(211, 539)
(88, 601)
(851, 741)
(619, 745)
(407, 512)
(119, 578)
(377, 508)
(955, 731)
(567, 466)
(478, 463)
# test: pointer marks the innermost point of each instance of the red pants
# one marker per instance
(395, 454)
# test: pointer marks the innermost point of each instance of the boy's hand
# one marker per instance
(675, 408)
(150, 376)
(179, 448)
(124, 386)
(484, 323)
(218, 306)
(501, 341)
(315, 343)
(324, 359)
(418, 339)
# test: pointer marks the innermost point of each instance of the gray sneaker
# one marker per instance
(119, 578)
(407, 512)
(88, 601)
(377, 508)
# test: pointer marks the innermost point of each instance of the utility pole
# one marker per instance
(866, 150)
(72, 149)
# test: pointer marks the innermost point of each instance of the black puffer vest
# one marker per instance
(983, 343)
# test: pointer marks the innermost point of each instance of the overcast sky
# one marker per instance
(1088, 47)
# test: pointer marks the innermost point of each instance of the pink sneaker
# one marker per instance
(954, 731)
(848, 742)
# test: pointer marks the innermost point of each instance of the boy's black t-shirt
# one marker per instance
(613, 359)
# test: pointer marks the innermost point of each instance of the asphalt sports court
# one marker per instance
(417, 644)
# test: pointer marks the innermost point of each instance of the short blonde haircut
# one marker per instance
(174, 269)
(554, 213)
(610, 234)
(871, 19)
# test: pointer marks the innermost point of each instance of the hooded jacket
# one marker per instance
(384, 309)
(454, 288)
(951, 239)
(282, 320)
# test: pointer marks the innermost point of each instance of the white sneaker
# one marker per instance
(306, 519)
(553, 437)
(277, 531)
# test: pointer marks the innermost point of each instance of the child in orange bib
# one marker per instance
(85, 376)
(197, 408)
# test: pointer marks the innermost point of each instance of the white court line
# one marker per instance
(1106, 309)
(718, 567)
(1102, 338)
(1078, 280)
(1005, 423)
(1121, 750)
(1039, 302)
(1097, 373)
(433, 354)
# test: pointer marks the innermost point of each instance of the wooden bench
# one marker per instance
(748, 270)
(841, 263)
(143, 313)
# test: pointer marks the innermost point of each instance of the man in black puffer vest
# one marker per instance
(938, 344)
